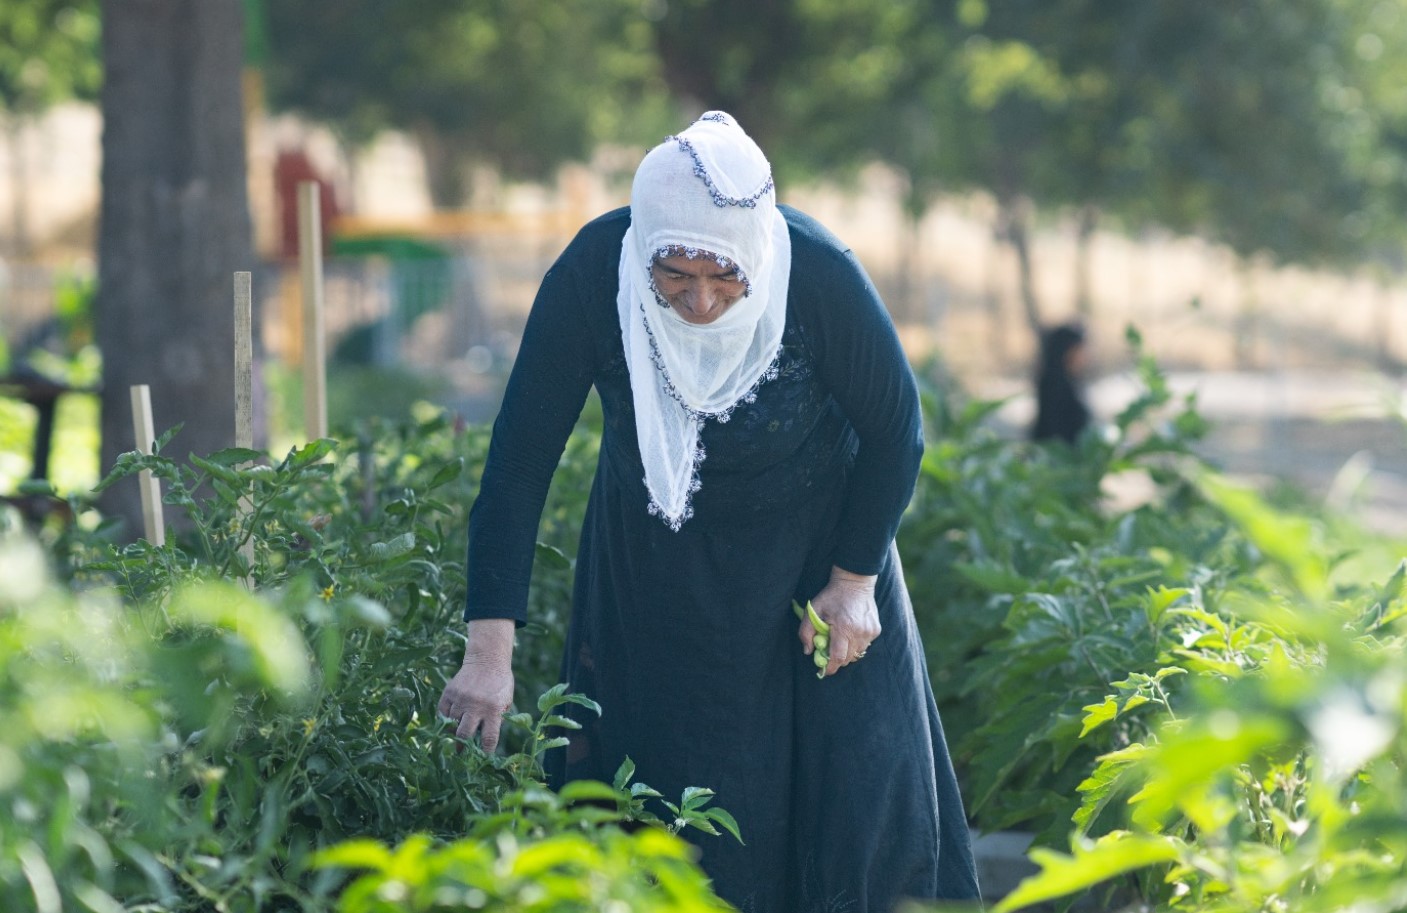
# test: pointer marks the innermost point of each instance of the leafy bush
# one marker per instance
(1031, 592)
(1275, 781)
(98, 715)
(1186, 683)
(1197, 687)
(235, 778)
(645, 872)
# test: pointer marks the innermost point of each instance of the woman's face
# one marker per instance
(699, 290)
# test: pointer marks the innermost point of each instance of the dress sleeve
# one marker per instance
(860, 360)
(546, 390)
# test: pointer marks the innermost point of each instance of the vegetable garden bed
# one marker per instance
(1205, 690)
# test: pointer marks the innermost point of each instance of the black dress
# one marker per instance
(842, 787)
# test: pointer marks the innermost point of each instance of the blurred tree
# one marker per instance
(175, 221)
(523, 87)
(1271, 125)
(48, 53)
(738, 55)
(1215, 119)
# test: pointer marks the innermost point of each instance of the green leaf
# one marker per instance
(218, 471)
(1392, 589)
(1097, 715)
(1189, 764)
(582, 700)
(586, 790)
(166, 436)
(1091, 864)
(447, 473)
(39, 487)
(308, 454)
(127, 464)
(392, 549)
(1290, 541)
(363, 612)
(234, 456)
(551, 697)
(993, 577)
(1110, 778)
(355, 854)
(624, 773)
(561, 722)
(727, 822)
(552, 557)
(1134, 701)
(700, 822)
(696, 796)
(1159, 600)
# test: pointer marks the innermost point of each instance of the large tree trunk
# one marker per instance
(175, 221)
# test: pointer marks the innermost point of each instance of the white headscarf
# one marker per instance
(706, 193)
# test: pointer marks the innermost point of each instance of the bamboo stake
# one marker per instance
(153, 520)
(314, 327)
(244, 387)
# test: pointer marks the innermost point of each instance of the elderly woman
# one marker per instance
(762, 437)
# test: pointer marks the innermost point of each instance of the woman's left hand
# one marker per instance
(847, 605)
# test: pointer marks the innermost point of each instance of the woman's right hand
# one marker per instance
(482, 690)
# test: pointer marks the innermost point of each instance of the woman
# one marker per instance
(1061, 413)
(762, 436)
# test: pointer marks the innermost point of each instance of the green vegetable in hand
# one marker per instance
(820, 643)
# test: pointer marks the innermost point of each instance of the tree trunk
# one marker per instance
(175, 222)
(908, 281)
(1385, 338)
(445, 170)
(1014, 215)
(992, 303)
(1084, 242)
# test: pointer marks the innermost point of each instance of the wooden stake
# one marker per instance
(314, 343)
(244, 360)
(153, 520)
(244, 386)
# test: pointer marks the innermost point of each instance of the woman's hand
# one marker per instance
(847, 605)
(482, 690)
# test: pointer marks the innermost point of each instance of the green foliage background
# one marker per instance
(1272, 126)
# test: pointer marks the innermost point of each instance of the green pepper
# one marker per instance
(820, 642)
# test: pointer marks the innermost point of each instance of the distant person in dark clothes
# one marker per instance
(1061, 412)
